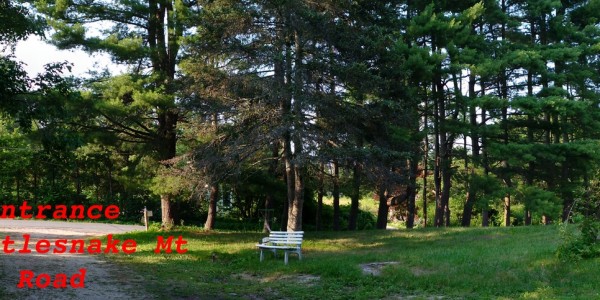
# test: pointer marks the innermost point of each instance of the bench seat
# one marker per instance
(288, 242)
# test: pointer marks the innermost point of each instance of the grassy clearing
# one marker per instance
(456, 263)
(366, 203)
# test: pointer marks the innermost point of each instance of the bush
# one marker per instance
(582, 243)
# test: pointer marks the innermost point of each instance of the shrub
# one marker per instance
(579, 244)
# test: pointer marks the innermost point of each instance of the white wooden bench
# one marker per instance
(287, 241)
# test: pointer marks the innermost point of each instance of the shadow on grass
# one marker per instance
(454, 263)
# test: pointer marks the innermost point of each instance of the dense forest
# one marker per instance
(439, 113)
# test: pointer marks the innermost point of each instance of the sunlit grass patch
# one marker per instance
(455, 263)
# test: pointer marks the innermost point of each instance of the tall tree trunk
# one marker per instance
(163, 40)
(443, 149)
(470, 201)
(269, 198)
(530, 139)
(284, 77)
(468, 208)
(445, 161)
(447, 179)
(412, 191)
(546, 220)
(267, 213)
(437, 176)
(165, 208)
(504, 95)
(336, 197)
(295, 210)
(281, 74)
(296, 207)
(290, 177)
(563, 129)
(383, 209)
(284, 216)
(507, 210)
(320, 195)
(167, 140)
(425, 165)
(212, 207)
(214, 190)
(485, 215)
(354, 198)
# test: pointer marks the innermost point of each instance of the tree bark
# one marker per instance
(164, 49)
(288, 159)
(425, 165)
(485, 215)
(468, 208)
(166, 213)
(336, 196)
(470, 201)
(214, 189)
(437, 177)
(296, 206)
(383, 209)
(267, 214)
(504, 94)
(320, 195)
(295, 210)
(411, 190)
(445, 168)
(353, 219)
(212, 207)
(443, 150)
(507, 210)
(530, 139)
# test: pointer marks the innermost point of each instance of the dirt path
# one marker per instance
(103, 280)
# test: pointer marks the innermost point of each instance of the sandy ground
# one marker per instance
(103, 280)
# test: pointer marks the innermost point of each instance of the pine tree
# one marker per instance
(144, 35)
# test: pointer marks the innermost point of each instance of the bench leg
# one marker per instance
(286, 257)
(262, 256)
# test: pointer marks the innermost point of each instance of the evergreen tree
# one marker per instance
(139, 106)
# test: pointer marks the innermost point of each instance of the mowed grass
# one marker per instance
(455, 263)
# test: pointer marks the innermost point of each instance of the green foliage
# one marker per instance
(581, 244)
(487, 188)
(16, 22)
(538, 200)
(215, 88)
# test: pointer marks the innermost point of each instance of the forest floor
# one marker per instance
(103, 280)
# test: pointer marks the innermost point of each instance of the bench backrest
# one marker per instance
(286, 237)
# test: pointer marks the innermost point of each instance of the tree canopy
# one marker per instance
(270, 112)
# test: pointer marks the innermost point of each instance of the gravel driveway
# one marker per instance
(103, 280)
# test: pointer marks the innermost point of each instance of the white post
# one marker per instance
(146, 218)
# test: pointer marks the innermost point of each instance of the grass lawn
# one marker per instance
(455, 263)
